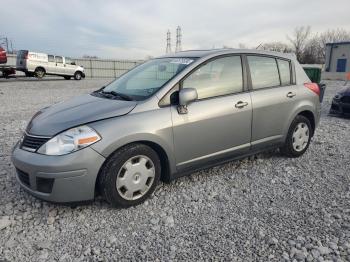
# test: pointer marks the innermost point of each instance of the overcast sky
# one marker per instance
(137, 28)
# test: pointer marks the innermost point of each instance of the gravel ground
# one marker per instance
(262, 208)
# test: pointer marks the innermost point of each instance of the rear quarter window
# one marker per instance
(51, 58)
(284, 69)
(263, 71)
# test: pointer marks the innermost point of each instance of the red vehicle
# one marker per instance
(3, 56)
(6, 70)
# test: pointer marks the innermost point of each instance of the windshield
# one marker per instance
(146, 79)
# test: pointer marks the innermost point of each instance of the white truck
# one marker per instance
(40, 64)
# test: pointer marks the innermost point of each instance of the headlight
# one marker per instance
(70, 141)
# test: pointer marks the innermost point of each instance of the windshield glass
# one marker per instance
(146, 79)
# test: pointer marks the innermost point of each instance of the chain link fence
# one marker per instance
(96, 68)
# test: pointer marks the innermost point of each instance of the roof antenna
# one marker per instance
(258, 46)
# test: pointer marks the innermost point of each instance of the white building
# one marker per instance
(337, 61)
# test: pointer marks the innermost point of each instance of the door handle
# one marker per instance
(291, 94)
(241, 104)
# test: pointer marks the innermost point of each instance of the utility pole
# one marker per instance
(178, 39)
(168, 42)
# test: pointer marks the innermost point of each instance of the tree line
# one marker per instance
(308, 47)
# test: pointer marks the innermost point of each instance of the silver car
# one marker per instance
(166, 118)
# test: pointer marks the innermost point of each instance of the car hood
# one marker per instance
(345, 91)
(80, 110)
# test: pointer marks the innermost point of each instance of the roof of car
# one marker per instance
(203, 53)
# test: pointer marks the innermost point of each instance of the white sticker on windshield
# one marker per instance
(182, 61)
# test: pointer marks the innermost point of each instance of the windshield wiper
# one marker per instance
(116, 94)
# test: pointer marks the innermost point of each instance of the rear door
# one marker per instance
(218, 124)
(21, 60)
(273, 97)
(51, 67)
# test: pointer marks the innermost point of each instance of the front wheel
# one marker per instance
(130, 175)
(298, 137)
(78, 76)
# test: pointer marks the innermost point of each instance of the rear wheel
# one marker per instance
(130, 175)
(298, 138)
(78, 76)
(39, 72)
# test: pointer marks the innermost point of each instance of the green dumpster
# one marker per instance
(314, 73)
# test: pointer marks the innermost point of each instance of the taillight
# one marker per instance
(313, 87)
(26, 56)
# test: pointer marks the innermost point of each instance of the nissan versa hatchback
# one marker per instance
(165, 118)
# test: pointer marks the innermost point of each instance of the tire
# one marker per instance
(129, 176)
(67, 77)
(39, 72)
(78, 75)
(298, 137)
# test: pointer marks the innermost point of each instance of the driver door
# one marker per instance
(218, 124)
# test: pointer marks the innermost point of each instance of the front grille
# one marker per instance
(345, 99)
(32, 143)
(23, 177)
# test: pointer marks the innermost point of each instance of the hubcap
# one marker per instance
(40, 73)
(135, 177)
(300, 137)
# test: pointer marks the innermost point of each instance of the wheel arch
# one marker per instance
(310, 116)
(161, 152)
(306, 110)
(40, 67)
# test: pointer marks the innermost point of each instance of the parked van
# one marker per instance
(168, 117)
(40, 64)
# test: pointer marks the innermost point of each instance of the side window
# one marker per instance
(51, 58)
(284, 68)
(68, 61)
(263, 71)
(59, 59)
(219, 77)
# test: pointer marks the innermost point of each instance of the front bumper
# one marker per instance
(61, 179)
(338, 107)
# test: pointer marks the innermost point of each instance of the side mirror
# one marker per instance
(186, 96)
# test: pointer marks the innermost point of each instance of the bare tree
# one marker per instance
(299, 40)
(314, 51)
(276, 46)
(242, 46)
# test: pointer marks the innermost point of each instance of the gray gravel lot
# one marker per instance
(262, 208)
